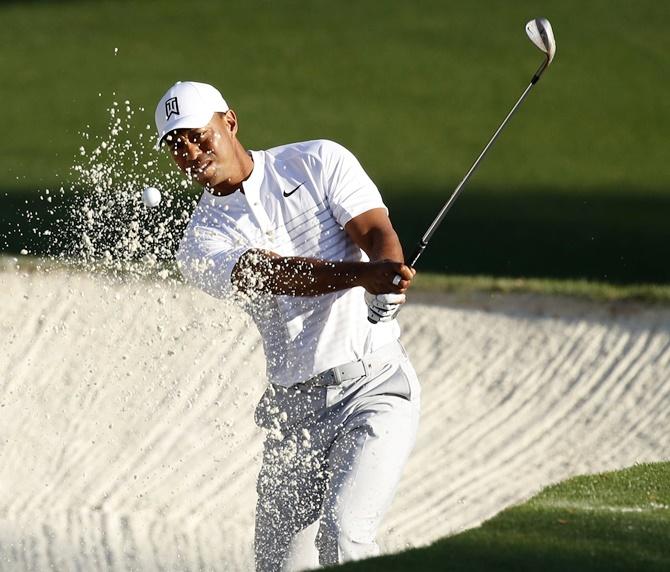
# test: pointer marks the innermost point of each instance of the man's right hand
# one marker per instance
(377, 277)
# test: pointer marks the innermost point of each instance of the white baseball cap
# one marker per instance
(187, 105)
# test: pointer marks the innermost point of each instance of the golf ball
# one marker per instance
(151, 196)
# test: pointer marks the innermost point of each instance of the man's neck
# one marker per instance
(242, 171)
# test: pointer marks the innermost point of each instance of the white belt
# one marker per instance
(367, 365)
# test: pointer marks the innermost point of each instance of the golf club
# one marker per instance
(540, 33)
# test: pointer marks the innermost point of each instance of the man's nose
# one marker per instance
(191, 151)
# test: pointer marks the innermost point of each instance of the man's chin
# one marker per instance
(205, 179)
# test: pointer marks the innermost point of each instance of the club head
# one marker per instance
(540, 33)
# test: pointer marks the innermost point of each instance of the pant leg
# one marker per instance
(366, 462)
(293, 475)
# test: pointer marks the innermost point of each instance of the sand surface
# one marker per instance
(127, 440)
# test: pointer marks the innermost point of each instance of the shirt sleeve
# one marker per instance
(206, 258)
(349, 189)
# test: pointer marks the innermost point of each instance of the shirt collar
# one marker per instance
(252, 185)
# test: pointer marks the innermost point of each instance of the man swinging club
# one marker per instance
(300, 237)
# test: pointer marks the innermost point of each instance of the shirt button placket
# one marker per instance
(259, 213)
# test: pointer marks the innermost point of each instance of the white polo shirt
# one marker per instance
(295, 203)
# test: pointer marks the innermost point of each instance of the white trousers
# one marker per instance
(332, 461)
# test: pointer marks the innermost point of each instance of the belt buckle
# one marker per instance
(340, 372)
(337, 374)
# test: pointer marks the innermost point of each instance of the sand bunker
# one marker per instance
(127, 441)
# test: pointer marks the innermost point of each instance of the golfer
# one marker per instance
(300, 237)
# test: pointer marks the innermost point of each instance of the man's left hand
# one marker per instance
(383, 307)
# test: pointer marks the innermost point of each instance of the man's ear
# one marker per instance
(230, 120)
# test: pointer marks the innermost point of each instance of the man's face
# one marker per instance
(205, 153)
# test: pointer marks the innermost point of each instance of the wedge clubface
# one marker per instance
(540, 33)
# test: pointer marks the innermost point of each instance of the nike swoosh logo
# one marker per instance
(294, 190)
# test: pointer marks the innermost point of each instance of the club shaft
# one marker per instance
(423, 243)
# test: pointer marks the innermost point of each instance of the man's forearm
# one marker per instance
(384, 245)
(293, 275)
(373, 232)
(263, 271)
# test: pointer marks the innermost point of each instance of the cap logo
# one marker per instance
(171, 108)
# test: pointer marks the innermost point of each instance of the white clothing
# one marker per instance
(296, 202)
(332, 462)
(333, 454)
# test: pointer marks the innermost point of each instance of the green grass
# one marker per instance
(594, 291)
(618, 521)
(576, 188)
(415, 89)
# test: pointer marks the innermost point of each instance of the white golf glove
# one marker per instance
(383, 307)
